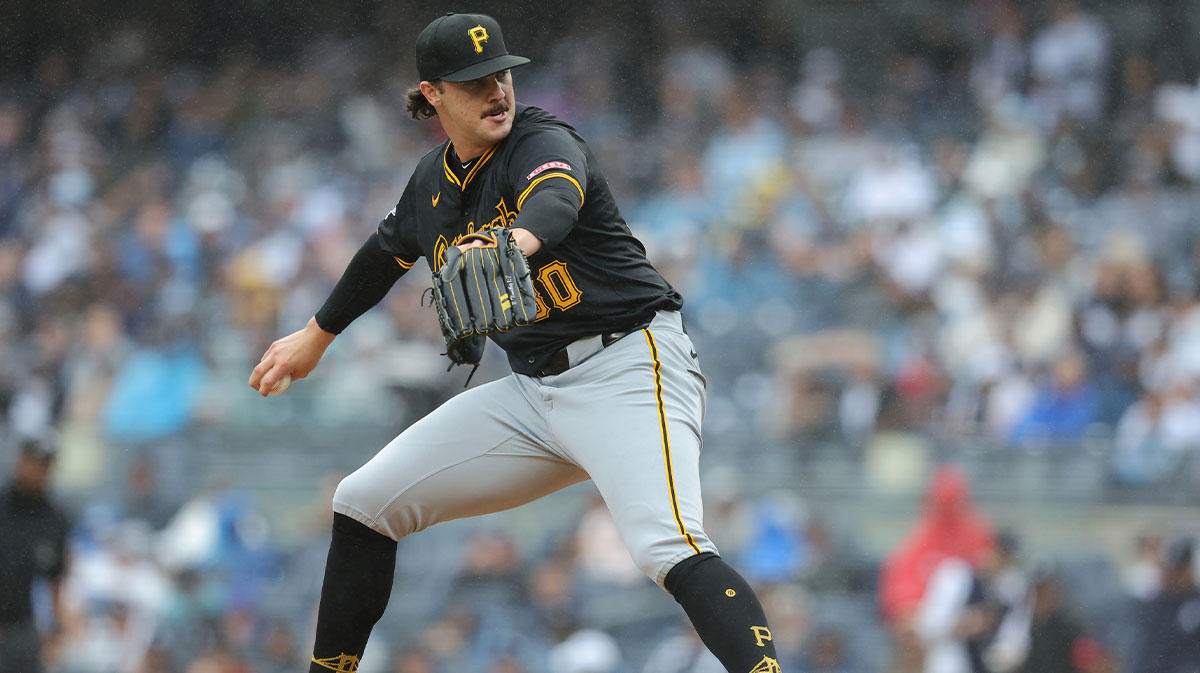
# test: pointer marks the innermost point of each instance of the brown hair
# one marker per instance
(416, 103)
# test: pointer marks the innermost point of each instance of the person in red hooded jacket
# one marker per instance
(949, 527)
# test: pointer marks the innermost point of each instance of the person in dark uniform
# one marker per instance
(33, 532)
(606, 384)
(1169, 625)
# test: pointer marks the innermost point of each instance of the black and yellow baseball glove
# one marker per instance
(484, 288)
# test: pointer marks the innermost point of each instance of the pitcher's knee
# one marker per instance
(385, 511)
(656, 559)
(355, 498)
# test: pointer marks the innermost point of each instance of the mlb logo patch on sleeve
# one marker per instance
(548, 164)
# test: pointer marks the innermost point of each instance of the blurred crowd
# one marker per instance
(993, 237)
(158, 585)
(985, 227)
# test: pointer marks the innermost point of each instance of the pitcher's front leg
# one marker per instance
(475, 454)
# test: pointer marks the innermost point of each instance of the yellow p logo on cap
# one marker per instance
(478, 36)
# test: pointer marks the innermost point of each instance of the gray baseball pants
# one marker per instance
(627, 416)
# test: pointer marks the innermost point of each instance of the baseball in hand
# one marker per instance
(281, 385)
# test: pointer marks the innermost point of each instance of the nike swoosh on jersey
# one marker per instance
(435, 199)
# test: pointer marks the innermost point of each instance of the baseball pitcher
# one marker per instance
(526, 248)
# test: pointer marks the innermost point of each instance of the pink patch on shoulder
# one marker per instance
(548, 164)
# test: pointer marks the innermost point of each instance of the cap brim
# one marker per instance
(485, 68)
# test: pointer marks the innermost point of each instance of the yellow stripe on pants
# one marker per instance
(666, 440)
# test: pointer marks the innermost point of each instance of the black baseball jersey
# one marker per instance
(34, 535)
(591, 274)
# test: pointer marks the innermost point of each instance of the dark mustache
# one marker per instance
(503, 107)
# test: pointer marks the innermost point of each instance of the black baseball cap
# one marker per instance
(463, 47)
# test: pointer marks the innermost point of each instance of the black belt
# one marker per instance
(561, 361)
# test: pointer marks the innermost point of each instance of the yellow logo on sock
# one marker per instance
(343, 663)
(767, 665)
(761, 633)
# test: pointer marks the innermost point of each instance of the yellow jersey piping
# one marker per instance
(547, 176)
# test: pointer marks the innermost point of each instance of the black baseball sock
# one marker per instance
(358, 582)
(725, 612)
